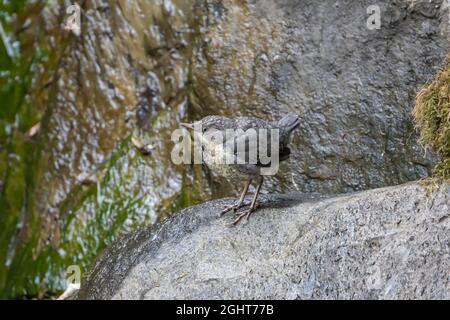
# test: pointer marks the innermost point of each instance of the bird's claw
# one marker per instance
(233, 207)
(237, 213)
(246, 214)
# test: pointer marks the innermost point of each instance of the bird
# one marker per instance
(234, 132)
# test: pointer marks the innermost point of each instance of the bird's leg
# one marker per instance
(253, 205)
(239, 204)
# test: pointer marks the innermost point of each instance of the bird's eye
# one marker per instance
(204, 129)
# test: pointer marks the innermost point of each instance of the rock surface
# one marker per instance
(389, 243)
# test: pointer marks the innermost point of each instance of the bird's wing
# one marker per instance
(247, 147)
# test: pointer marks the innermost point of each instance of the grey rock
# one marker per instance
(388, 243)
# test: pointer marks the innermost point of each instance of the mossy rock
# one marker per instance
(432, 118)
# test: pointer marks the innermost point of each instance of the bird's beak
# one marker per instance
(187, 125)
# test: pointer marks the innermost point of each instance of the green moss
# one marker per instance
(432, 119)
(20, 58)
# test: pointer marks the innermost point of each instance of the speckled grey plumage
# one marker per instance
(285, 125)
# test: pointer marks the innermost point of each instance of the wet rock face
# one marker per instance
(122, 79)
(389, 243)
(352, 87)
(107, 95)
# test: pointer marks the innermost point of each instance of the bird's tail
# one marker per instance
(288, 123)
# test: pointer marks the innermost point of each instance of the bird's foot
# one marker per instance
(233, 207)
(246, 214)
(237, 213)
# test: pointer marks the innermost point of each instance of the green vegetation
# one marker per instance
(20, 57)
(432, 119)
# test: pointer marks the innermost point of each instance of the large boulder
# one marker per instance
(389, 243)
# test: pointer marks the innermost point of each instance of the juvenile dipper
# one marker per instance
(214, 150)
